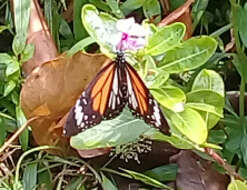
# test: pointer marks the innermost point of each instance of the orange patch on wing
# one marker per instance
(137, 82)
(138, 99)
(105, 93)
(101, 80)
(96, 102)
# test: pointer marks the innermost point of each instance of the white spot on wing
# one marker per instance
(115, 83)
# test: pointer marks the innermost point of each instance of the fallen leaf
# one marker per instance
(40, 36)
(196, 173)
(52, 89)
(181, 14)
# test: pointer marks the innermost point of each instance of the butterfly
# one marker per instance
(117, 85)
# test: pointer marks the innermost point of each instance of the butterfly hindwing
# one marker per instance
(100, 100)
(141, 101)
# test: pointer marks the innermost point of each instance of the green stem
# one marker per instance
(221, 30)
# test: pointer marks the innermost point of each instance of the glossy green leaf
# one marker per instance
(27, 53)
(209, 80)
(114, 5)
(211, 98)
(5, 58)
(130, 5)
(145, 179)
(189, 55)
(189, 123)
(151, 9)
(177, 141)
(21, 120)
(158, 81)
(170, 97)
(12, 67)
(163, 173)
(101, 27)
(165, 38)
(107, 184)
(237, 185)
(8, 87)
(30, 176)
(111, 133)
(78, 28)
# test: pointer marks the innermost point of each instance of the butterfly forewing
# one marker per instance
(141, 101)
(100, 100)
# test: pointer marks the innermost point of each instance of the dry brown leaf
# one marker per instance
(181, 14)
(40, 36)
(194, 173)
(52, 89)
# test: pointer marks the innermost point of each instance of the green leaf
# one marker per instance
(21, 120)
(243, 148)
(80, 45)
(75, 183)
(176, 141)
(100, 4)
(12, 67)
(151, 9)
(242, 24)
(18, 44)
(30, 176)
(3, 27)
(113, 4)
(189, 123)
(21, 16)
(189, 55)
(130, 5)
(5, 58)
(45, 177)
(145, 179)
(163, 173)
(158, 81)
(209, 80)
(111, 133)
(8, 87)
(217, 136)
(27, 53)
(107, 184)
(165, 38)
(101, 27)
(237, 185)
(78, 28)
(3, 132)
(170, 97)
(211, 115)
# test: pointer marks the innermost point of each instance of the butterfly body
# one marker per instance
(117, 85)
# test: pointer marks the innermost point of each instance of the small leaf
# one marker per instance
(75, 183)
(107, 184)
(45, 177)
(151, 9)
(8, 87)
(189, 55)
(30, 176)
(21, 120)
(12, 67)
(27, 53)
(5, 58)
(170, 97)
(237, 185)
(3, 27)
(130, 5)
(189, 123)
(80, 45)
(111, 133)
(209, 80)
(159, 80)
(145, 179)
(163, 173)
(3, 132)
(242, 24)
(18, 44)
(113, 4)
(217, 136)
(165, 38)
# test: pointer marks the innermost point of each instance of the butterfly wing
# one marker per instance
(100, 100)
(141, 101)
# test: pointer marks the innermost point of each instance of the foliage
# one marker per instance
(187, 77)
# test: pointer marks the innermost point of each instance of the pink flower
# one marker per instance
(133, 35)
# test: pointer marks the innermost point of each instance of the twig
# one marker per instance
(222, 162)
(16, 134)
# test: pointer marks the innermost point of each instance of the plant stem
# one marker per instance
(221, 30)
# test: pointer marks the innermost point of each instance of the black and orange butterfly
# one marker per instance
(114, 87)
